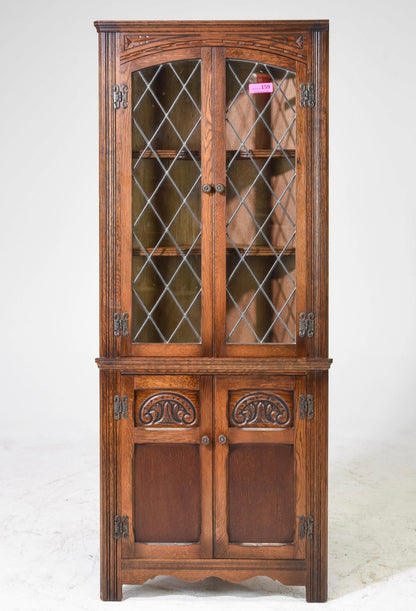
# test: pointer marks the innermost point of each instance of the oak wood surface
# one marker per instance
(213, 365)
(208, 374)
(261, 493)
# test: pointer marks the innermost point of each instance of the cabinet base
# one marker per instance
(136, 572)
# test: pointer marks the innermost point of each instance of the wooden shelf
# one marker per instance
(260, 251)
(185, 155)
(171, 251)
(261, 154)
(165, 251)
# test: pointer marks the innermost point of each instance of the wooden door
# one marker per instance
(166, 466)
(260, 470)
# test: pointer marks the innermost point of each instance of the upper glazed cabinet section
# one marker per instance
(213, 147)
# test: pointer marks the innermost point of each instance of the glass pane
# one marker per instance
(166, 203)
(261, 203)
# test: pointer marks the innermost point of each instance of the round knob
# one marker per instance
(205, 440)
(222, 439)
(219, 188)
(206, 188)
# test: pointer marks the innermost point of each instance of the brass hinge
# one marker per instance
(307, 95)
(306, 324)
(306, 407)
(120, 96)
(306, 527)
(120, 407)
(121, 527)
(121, 324)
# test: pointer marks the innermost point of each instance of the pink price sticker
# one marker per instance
(260, 87)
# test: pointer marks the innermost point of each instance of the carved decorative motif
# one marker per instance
(261, 409)
(151, 43)
(299, 41)
(168, 408)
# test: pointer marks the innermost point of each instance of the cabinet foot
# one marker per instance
(317, 590)
(111, 594)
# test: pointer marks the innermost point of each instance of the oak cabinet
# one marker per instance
(213, 350)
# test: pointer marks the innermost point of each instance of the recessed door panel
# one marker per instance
(261, 500)
(167, 493)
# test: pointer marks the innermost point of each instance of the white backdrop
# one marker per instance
(49, 208)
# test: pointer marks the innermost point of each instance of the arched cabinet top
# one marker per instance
(142, 38)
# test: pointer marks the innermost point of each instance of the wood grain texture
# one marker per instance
(213, 365)
(261, 493)
(233, 485)
(223, 479)
(207, 153)
(317, 483)
(167, 493)
(109, 279)
(109, 449)
(110, 588)
(319, 175)
(290, 577)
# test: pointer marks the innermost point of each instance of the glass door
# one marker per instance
(213, 223)
(261, 210)
(164, 235)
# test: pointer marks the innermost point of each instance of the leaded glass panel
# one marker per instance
(166, 203)
(261, 203)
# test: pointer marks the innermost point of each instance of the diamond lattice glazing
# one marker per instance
(166, 177)
(261, 206)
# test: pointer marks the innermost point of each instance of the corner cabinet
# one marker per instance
(213, 350)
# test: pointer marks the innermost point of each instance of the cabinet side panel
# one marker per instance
(319, 130)
(317, 547)
(110, 582)
(107, 168)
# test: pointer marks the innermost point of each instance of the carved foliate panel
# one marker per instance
(260, 409)
(166, 408)
(135, 45)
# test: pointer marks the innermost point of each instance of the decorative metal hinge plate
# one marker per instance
(120, 96)
(306, 407)
(306, 527)
(307, 95)
(120, 407)
(306, 324)
(121, 324)
(121, 527)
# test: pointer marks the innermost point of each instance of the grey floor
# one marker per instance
(49, 540)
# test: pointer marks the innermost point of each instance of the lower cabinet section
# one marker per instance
(214, 475)
(212, 467)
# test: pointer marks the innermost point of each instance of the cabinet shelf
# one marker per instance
(171, 251)
(186, 155)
